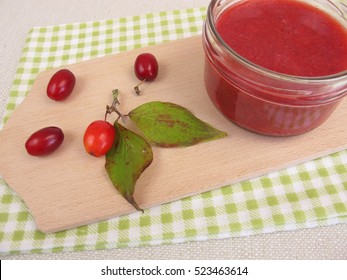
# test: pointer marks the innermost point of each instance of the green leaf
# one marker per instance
(170, 125)
(127, 159)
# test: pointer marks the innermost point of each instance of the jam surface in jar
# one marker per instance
(286, 37)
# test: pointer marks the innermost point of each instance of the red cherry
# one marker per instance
(98, 138)
(61, 85)
(146, 67)
(44, 141)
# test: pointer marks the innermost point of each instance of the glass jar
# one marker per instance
(262, 100)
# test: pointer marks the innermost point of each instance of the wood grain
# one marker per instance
(69, 188)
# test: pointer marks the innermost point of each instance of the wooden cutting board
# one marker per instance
(69, 188)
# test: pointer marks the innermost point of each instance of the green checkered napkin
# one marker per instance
(308, 195)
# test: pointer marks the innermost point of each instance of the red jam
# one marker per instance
(276, 67)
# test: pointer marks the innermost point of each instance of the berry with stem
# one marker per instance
(100, 135)
(146, 69)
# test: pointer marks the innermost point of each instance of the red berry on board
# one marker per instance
(146, 67)
(44, 141)
(61, 85)
(98, 138)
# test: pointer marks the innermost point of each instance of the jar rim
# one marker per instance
(266, 71)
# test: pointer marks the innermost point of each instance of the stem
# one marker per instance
(113, 107)
(137, 89)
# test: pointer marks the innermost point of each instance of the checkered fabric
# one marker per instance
(307, 195)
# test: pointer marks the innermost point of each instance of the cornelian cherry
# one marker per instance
(44, 141)
(146, 68)
(61, 85)
(98, 138)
